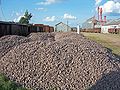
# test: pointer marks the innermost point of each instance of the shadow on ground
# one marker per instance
(109, 81)
(116, 55)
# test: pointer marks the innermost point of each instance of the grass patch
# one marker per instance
(6, 84)
(111, 41)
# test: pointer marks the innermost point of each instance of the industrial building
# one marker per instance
(113, 26)
(90, 23)
(94, 24)
(101, 25)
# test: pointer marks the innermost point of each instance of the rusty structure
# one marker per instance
(94, 24)
(12, 28)
(100, 16)
(44, 28)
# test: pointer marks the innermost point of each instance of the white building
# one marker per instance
(62, 27)
(114, 24)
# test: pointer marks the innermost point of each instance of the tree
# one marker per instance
(26, 18)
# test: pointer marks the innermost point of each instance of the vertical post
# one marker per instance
(55, 28)
(78, 29)
(67, 25)
(98, 13)
(101, 15)
(105, 19)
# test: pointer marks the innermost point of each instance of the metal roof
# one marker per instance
(62, 23)
(113, 22)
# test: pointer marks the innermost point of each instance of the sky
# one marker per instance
(52, 12)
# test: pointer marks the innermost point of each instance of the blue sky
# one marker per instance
(54, 11)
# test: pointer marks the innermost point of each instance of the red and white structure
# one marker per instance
(100, 15)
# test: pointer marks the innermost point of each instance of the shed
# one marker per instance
(62, 27)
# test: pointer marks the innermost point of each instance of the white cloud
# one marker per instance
(68, 16)
(40, 9)
(111, 7)
(18, 16)
(98, 2)
(48, 2)
(50, 19)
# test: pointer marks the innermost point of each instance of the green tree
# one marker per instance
(26, 18)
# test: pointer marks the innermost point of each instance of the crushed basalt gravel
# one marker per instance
(66, 61)
(8, 42)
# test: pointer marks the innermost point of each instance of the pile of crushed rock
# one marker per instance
(8, 42)
(65, 61)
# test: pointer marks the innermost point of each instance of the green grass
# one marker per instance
(111, 41)
(6, 84)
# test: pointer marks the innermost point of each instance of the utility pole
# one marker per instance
(78, 29)
(67, 25)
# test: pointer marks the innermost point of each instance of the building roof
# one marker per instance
(89, 23)
(63, 24)
(91, 20)
(113, 22)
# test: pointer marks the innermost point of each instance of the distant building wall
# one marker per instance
(4, 29)
(104, 29)
(40, 27)
(90, 23)
(44, 28)
(95, 30)
(61, 27)
(114, 31)
(51, 29)
(74, 29)
(87, 25)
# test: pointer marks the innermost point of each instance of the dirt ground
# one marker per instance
(111, 41)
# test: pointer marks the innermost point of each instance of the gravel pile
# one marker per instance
(67, 62)
(42, 37)
(9, 41)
